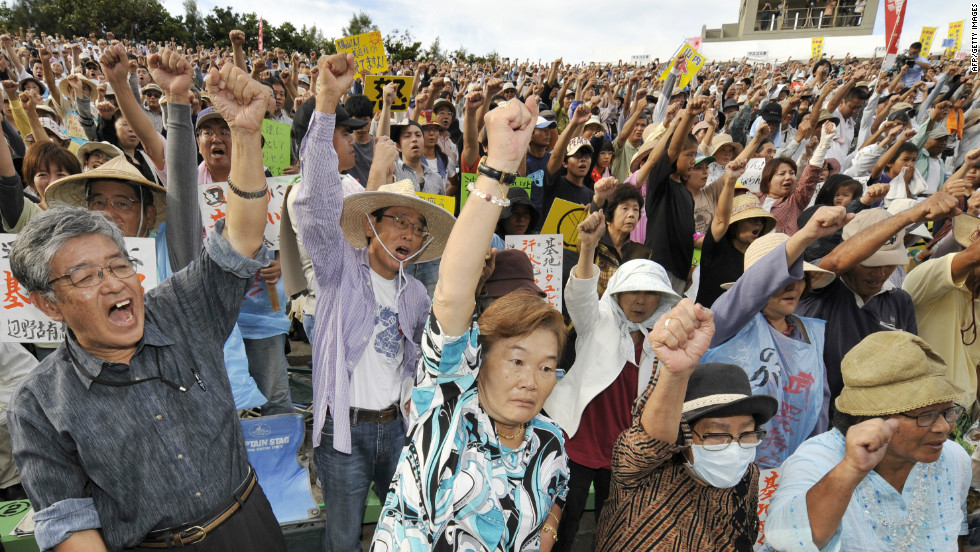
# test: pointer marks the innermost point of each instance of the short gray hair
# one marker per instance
(46, 234)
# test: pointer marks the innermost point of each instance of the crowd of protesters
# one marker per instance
(777, 268)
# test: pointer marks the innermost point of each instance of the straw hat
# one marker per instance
(93, 89)
(966, 229)
(85, 149)
(720, 140)
(400, 194)
(892, 253)
(747, 206)
(73, 189)
(892, 372)
(764, 244)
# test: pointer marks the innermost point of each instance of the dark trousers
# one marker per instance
(579, 480)
(252, 528)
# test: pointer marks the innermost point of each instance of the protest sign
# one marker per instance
(374, 90)
(928, 33)
(275, 151)
(446, 202)
(73, 125)
(368, 50)
(954, 38)
(816, 46)
(22, 322)
(753, 174)
(212, 196)
(523, 182)
(545, 252)
(563, 219)
(693, 60)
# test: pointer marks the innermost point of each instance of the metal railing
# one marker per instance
(808, 18)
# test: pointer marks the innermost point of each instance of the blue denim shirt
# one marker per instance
(148, 456)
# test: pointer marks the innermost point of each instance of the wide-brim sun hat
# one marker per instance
(88, 147)
(73, 189)
(438, 221)
(903, 204)
(892, 252)
(892, 372)
(720, 390)
(764, 244)
(93, 88)
(721, 140)
(747, 206)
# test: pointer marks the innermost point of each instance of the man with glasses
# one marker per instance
(127, 435)
(886, 477)
(683, 473)
(370, 312)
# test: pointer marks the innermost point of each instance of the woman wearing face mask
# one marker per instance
(781, 353)
(683, 477)
(779, 191)
(612, 366)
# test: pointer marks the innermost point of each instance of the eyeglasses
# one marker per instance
(402, 224)
(208, 133)
(91, 275)
(926, 419)
(720, 441)
(120, 203)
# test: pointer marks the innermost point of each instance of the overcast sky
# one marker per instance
(576, 30)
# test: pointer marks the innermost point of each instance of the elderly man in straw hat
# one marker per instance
(944, 291)
(886, 477)
(127, 436)
(369, 315)
(862, 300)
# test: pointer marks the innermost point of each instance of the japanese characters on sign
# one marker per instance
(212, 201)
(545, 252)
(374, 90)
(768, 483)
(693, 60)
(446, 202)
(22, 322)
(368, 50)
(816, 47)
(275, 150)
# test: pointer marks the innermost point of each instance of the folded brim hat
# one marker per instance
(438, 221)
(892, 252)
(518, 196)
(891, 372)
(826, 116)
(766, 243)
(512, 271)
(73, 189)
(85, 149)
(722, 140)
(720, 390)
(93, 89)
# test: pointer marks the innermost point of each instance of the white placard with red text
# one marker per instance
(545, 252)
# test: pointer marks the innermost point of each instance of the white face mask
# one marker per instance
(721, 468)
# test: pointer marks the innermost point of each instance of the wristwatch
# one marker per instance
(503, 178)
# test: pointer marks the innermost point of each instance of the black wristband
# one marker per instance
(247, 195)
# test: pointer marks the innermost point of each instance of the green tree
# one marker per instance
(219, 23)
(402, 47)
(435, 51)
(193, 21)
(359, 23)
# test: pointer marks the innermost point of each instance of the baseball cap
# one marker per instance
(545, 123)
(577, 144)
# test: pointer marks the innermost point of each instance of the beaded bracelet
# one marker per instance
(549, 529)
(500, 202)
(248, 195)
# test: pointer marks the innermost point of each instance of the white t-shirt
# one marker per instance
(934, 179)
(376, 383)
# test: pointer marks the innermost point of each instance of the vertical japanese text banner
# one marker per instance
(545, 252)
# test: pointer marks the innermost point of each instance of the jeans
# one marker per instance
(427, 273)
(579, 479)
(308, 322)
(346, 478)
(268, 367)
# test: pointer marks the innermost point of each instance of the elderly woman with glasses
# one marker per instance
(484, 469)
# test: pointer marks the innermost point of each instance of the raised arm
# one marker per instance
(45, 56)
(723, 212)
(862, 245)
(237, 38)
(678, 141)
(384, 118)
(643, 173)
(471, 139)
(641, 104)
(574, 127)
(508, 134)
(243, 102)
(845, 89)
(174, 75)
(115, 65)
(882, 162)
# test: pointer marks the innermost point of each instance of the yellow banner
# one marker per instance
(693, 60)
(368, 50)
(446, 202)
(374, 86)
(928, 33)
(956, 34)
(816, 47)
(563, 219)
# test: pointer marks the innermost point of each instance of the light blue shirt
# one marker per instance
(913, 74)
(929, 514)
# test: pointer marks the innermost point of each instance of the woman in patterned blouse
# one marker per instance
(483, 469)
